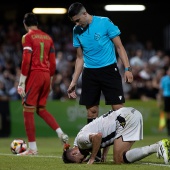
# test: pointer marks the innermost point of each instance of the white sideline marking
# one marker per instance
(38, 156)
(146, 163)
(155, 164)
(50, 156)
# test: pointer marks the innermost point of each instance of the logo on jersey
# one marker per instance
(86, 142)
(120, 97)
(121, 120)
(96, 36)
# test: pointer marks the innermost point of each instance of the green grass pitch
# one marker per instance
(50, 152)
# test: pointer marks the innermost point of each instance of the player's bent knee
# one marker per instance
(118, 159)
(40, 109)
(28, 108)
(92, 112)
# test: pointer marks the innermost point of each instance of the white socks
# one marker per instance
(140, 153)
(32, 145)
(59, 132)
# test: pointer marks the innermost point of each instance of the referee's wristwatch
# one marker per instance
(128, 69)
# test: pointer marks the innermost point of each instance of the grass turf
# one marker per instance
(50, 153)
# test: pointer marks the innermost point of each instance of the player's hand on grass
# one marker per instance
(90, 161)
(103, 158)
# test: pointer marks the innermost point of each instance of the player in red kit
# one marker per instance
(37, 70)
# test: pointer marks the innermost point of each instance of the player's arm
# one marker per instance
(96, 142)
(124, 58)
(78, 69)
(25, 67)
(26, 60)
(78, 65)
(104, 154)
(52, 63)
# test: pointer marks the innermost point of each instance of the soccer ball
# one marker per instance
(18, 146)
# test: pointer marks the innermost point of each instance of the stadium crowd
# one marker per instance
(148, 64)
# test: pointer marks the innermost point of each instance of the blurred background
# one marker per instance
(148, 24)
(145, 35)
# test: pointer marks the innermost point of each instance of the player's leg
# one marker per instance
(167, 111)
(123, 153)
(29, 104)
(117, 106)
(51, 121)
(119, 148)
(92, 113)
(168, 123)
(90, 96)
(112, 86)
(130, 129)
(29, 123)
(43, 113)
(161, 148)
(137, 154)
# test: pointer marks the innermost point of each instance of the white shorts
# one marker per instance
(133, 130)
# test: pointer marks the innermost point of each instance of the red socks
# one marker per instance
(29, 125)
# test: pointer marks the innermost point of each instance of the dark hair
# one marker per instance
(30, 19)
(75, 9)
(65, 157)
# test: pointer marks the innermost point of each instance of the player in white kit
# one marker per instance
(121, 128)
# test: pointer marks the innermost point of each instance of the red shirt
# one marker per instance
(38, 52)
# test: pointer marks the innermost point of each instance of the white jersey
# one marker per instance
(126, 122)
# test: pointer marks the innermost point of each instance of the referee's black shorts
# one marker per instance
(167, 104)
(106, 80)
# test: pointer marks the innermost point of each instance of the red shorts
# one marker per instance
(37, 88)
